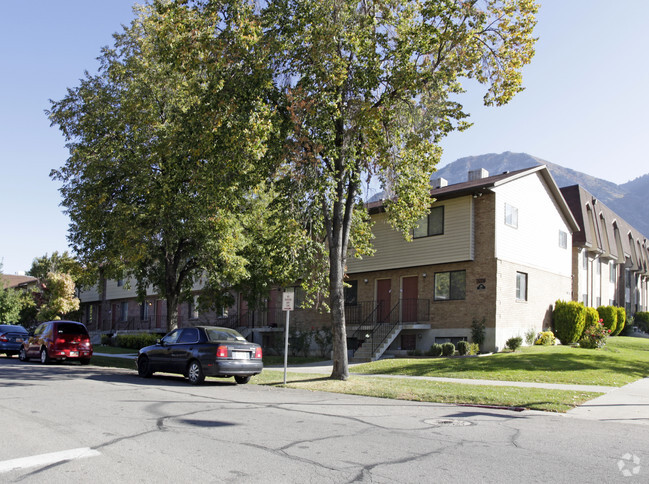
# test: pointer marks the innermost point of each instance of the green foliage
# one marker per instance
(435, 350)
(621, 321)
(641, 320)
(10, 305)
(478, 331)
(299, 342)
(474, 349)
(62, 263)
(514, 343)
(135, 341)
(569, 319)
(530, 336)
(59, 297)
(609, 316)
(595, 336)
(592, 316)
(545, 338)
(323, 339)
(448, 349)
(463, 348)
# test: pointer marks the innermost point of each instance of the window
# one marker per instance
(598, 267)
(120, 282)
(598, 301)
(511, 216)
(123, 311)
(188, 335)
(585, 260)
(431, 225)
(450, 285)
(612, 272)
(351, 293)
(144, 311)
(521, 286)
(563, 239)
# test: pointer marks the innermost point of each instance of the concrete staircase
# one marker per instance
(364, 353)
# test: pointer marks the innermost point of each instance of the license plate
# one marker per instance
(74, 353)
(19, 340)
(240, 355)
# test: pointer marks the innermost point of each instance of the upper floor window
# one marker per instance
(563, 239)
(521, 286)
(433, 224)
(584, 260)
(450, 285)
(612, 269)
(598, 266)
(120, 282)
(511, 215)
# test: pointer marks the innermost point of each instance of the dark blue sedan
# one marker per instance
(11, 338)
(202, 351)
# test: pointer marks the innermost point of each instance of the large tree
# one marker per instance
(370, 88)
(167, 143)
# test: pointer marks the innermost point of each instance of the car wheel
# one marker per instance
(45, 358)
(22, 355)
(195, 373)
(143, 367)
(242, 380)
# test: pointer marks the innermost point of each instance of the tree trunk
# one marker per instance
(337, 301)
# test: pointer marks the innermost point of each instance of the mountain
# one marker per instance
(628, 200)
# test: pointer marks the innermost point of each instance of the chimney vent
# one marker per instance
(478, 174)
(438, 182)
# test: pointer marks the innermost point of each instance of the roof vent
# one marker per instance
(438, 182)
(478, 174)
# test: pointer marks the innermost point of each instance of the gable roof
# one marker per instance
(483, 185)
(17, 281)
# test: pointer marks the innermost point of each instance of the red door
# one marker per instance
(409, 294)
(383, 293)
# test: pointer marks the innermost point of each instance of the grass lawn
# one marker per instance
(427, 391)
(623, 360)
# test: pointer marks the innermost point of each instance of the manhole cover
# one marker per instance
(448, 422)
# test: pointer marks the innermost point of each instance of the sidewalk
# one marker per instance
(627, 404)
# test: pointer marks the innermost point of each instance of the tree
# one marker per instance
(60, 263)
(370, 88)
(167, 143)
(10, 303)
(58, 297)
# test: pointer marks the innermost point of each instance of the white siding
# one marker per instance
(393, 252)
(126, 291)
(535, 242)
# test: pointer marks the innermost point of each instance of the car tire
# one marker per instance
(22, 355)
(143, 367)
(242, 380)
(45, 358)
(195, 373)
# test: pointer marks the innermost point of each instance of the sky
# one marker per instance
(585, 104)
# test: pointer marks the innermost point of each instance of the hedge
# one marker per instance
(609, 317)
(569, 318)
(621, 321)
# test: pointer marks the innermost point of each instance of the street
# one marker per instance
(72, 423)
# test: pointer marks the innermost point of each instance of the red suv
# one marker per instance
(58, 340)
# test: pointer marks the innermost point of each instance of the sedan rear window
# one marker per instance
(223, 334)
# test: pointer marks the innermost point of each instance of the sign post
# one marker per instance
(288, 303)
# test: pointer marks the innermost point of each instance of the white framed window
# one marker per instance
(584, 260)
(433, 224)
(521, 286)
(563, 239)
(511, 215)
(612, 270)
(123, 311)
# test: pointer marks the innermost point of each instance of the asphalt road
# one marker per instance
(70, 423)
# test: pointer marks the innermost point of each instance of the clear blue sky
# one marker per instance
(586, 103)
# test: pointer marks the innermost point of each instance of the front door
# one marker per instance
(383, 293)
(409, 294)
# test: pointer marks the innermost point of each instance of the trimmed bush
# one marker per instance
(592, 317)
(545, 338)
(474, 349)
(569, 318)
(609, 316)
(435, 350)
(448, 349)
(136, 341)
(106, 339)
(514, 343)
(621, 321)
(463, 348)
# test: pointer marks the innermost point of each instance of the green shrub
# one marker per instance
(448, 349)
(136, 341)
(641, 320)
(595, 336)
(569, 318)
(592, 317)
(608, 315)
(106, 339)
(514, 343)
(463, 348)
(478, 331)
(474, 349)
(530, 336)
(545, 338)
(621, 321)
(435, 350)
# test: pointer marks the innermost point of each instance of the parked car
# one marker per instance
(11, 338)
(56, 341)
(202, 351)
